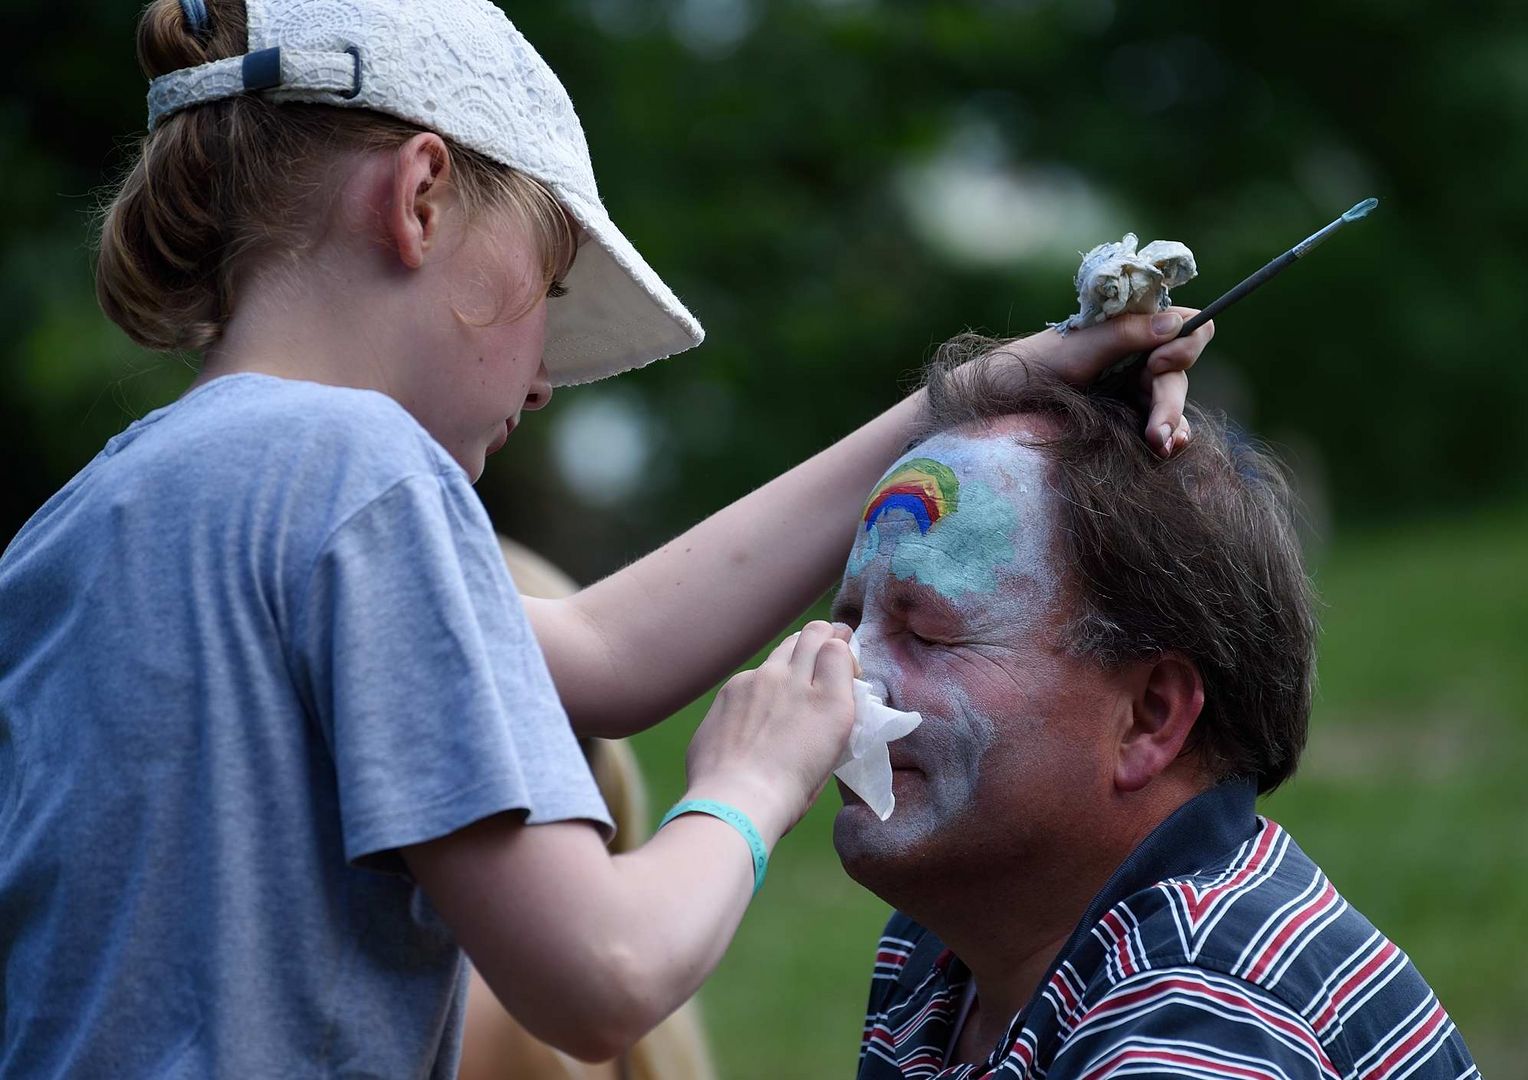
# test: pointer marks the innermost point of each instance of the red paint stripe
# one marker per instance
(917, 491)
(1323, 902)
(906, 487)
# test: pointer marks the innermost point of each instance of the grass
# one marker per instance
(1411, 796)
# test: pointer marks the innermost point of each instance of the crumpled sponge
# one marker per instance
(1116, 278)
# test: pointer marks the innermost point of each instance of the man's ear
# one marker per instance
(420, 168)
(1168, 697)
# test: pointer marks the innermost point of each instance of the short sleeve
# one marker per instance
(1169, 1023)
(413, 651)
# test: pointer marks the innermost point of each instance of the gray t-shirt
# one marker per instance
(264, 639)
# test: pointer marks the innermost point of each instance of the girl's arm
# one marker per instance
(632, 649)
(589, 951)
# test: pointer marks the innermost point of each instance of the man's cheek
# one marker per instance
(958, 743)
(926, 678)
(905, 684)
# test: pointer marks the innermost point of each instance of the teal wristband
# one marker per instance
(738, 820)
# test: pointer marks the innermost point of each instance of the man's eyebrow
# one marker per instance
(911, 596)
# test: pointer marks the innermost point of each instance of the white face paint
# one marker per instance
(952, 584)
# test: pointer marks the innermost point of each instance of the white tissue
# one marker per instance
(866, 764)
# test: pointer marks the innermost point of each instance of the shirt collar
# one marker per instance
(1192, 837)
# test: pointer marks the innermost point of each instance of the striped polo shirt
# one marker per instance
(1217, 949)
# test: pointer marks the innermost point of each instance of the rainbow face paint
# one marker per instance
(923, 487)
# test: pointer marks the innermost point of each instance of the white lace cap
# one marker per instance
(459, 68)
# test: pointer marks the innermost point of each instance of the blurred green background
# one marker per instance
(835, 186)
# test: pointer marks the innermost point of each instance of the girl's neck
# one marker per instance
(299, 329)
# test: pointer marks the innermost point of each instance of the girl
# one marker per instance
(276, 735)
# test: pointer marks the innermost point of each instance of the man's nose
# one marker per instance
(872, 661)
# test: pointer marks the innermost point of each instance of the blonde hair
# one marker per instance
(495, 1047)
(221, 186)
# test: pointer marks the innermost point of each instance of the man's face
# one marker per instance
(955, 590)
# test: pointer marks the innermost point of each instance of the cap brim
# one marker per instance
(618, 315)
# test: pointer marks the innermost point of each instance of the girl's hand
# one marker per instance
(1082, 355)
(774, 734)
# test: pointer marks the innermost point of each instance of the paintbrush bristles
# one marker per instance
(1361, 210)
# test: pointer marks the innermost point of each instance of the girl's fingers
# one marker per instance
(844, 632)
(782, 652)
(835, 666)
(1080, 355)
(1180, 353)
(809, 644)
(1165, 381)
(1182, 435)
(1169, 393)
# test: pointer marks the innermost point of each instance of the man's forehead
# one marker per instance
(967, 513)
(988, 451)
(1027, 427)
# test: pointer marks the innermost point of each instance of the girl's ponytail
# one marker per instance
(161, 271)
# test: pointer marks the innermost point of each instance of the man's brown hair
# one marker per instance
(1197, 554)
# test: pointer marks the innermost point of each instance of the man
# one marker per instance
(1113, 655)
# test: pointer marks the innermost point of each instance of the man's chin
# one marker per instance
(875, 852)
(908, 786)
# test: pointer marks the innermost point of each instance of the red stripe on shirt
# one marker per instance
(1355, 982)
(1163, 988)
(1323, 902)
(1418, 1035)
(1197, 903)
(1169, 1058)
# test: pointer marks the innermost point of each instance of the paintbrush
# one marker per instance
(1123, 378)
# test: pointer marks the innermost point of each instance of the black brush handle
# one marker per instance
(1123, 379)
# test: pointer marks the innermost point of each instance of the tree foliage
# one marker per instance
(766, 159)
